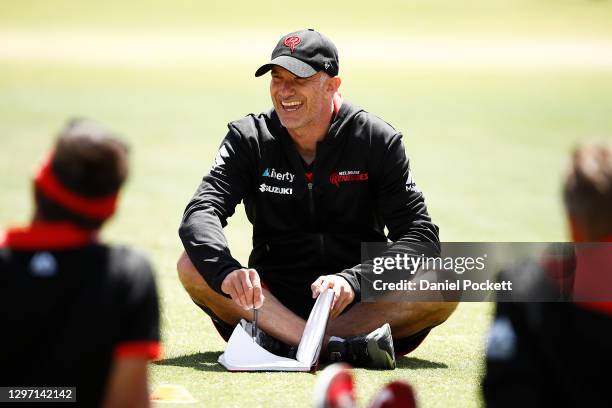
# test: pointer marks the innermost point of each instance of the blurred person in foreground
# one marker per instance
(76, 312)
(556, 354)
(335, 388)
(318, 177)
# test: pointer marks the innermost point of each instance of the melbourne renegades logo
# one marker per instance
(292, 42)
(344, 176)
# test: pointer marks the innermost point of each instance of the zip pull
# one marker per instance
(311, 203)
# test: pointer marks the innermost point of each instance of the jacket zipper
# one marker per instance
(311, 208)
(311, 204)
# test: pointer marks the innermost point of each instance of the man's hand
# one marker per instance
(244, 286)
(343, 292)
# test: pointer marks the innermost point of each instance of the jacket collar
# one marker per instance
(341, 119)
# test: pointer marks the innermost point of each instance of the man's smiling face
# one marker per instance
(299, 102)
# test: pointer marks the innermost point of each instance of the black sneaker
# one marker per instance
(373, 350)
(269, 343)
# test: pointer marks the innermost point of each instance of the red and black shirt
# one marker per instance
(69, 306)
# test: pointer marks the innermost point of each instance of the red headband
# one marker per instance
(52, 188)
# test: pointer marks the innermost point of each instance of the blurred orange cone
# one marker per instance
(169, 393)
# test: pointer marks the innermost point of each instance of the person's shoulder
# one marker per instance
(5, 258)
(377, 128)
(127, 263)
(255, 126)
(541, 278)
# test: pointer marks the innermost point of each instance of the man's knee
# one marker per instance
(218, 307)
(188, 275)
(439, 312)
(422, 318)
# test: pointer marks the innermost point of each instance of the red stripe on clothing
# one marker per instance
(602, 307)
(47, 236)
(50, 186)
(148, 349)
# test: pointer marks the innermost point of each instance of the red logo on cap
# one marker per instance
(292, 42)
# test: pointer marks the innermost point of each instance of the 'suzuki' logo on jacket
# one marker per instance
(348, 175)
(264, 188)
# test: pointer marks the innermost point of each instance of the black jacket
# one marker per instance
(361, 183)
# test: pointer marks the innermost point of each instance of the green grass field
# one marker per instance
(487, 142)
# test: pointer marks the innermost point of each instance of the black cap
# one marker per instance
(304, 53)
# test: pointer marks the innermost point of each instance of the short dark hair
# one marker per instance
(588, 189)
(88, 160)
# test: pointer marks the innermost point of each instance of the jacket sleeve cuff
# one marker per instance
(220, 277)
(150, 350)
(352, 278)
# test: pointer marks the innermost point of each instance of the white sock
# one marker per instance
(334, 338)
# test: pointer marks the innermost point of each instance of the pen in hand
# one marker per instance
(254, 325)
